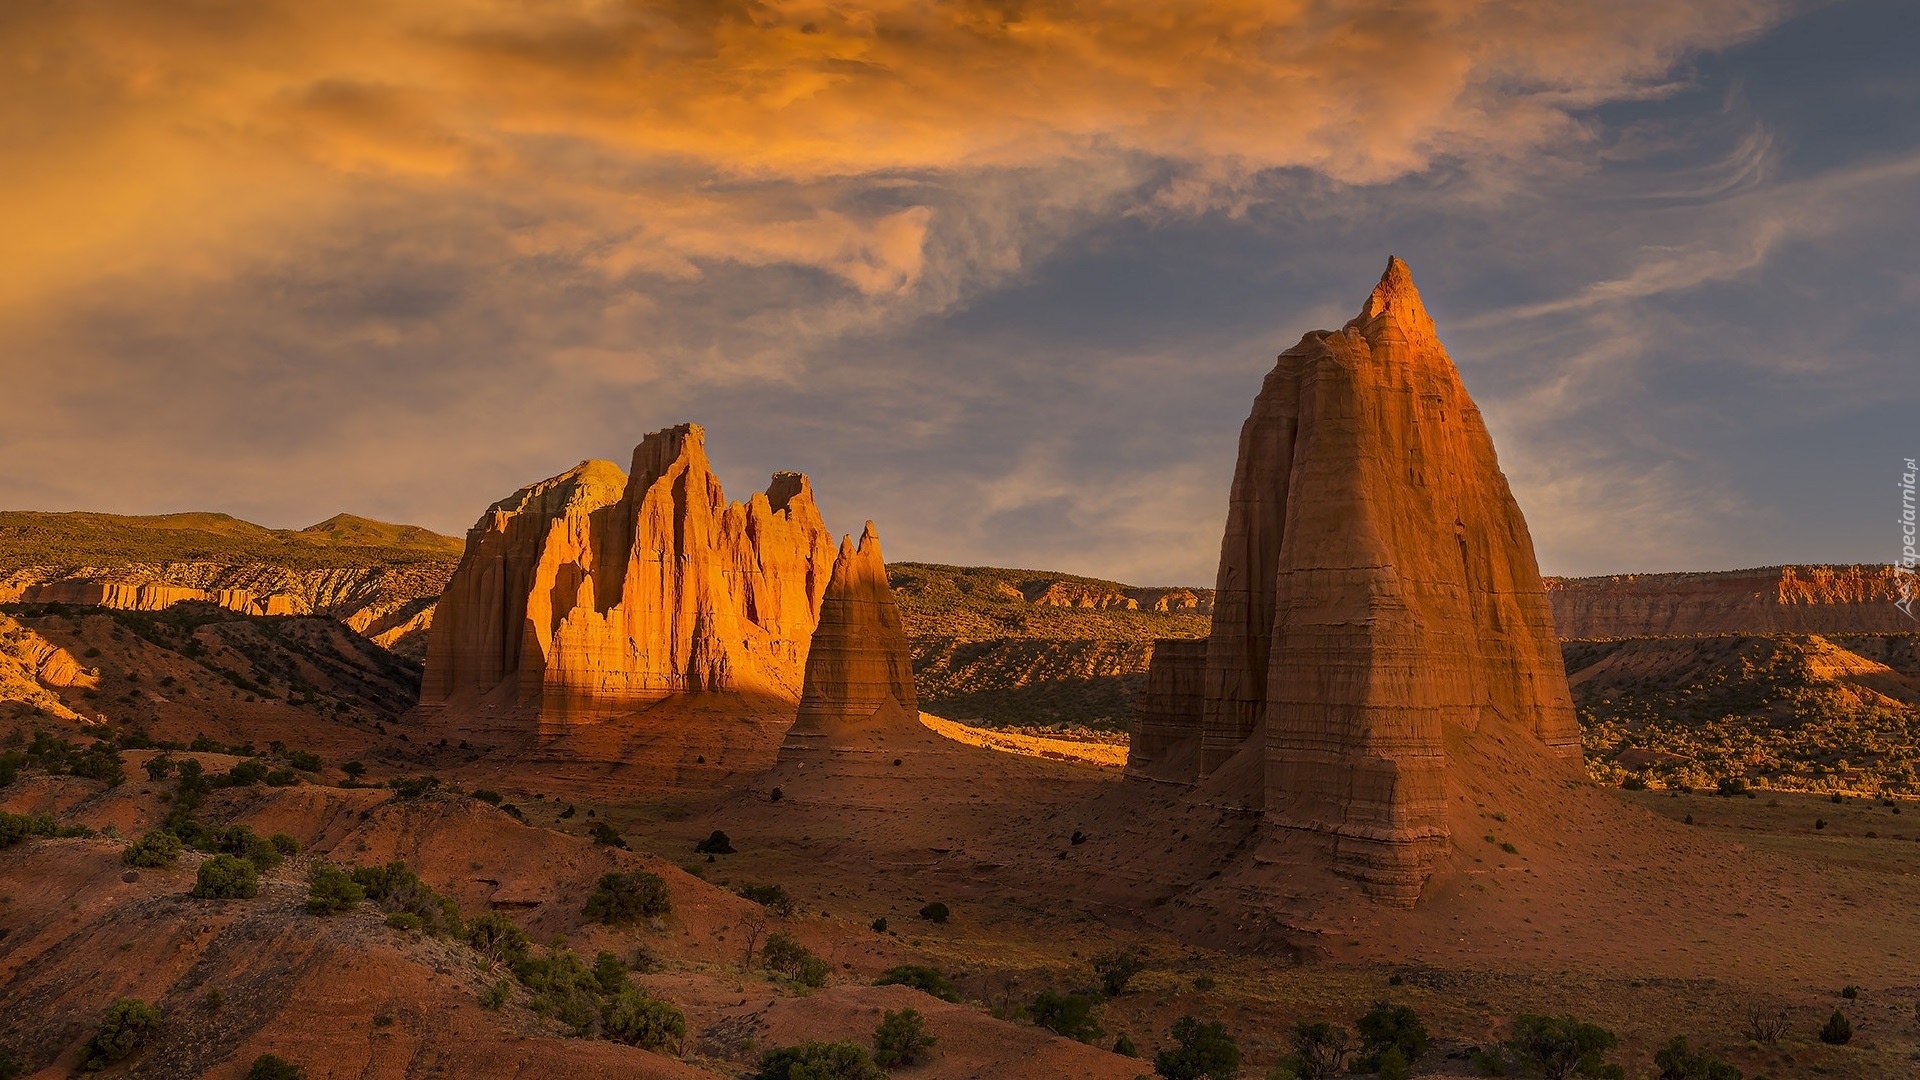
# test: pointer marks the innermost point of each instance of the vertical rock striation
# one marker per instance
(597, 593)
(1377, 599)
(859, 673)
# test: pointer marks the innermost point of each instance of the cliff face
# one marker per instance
(859, 670)
(1377, 599)
(1768, 600)
(596, 593)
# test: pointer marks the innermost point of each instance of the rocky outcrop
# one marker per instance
(1768, 600)
(30, 666)
(859, 674)
(1166, 737)
(1377, 600)
(390, 604)
(596, 593)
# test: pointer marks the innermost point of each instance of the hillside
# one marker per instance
(1765, 600)
(379, 579)
(1033, 647)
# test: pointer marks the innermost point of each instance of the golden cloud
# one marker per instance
(658, 136)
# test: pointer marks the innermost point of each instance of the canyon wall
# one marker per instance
(1772, 599)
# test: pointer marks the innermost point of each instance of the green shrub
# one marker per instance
(879, 925)
(284, 844)
(607, 836)
(225, 877)
(330, 890)
(497, 995)
(1678, 1061)
(927, 980)
(15, 828)
(1201, 1052)
(156, 847)
(404, 920)
(1065, 1014)
(772, 897)
(10, 1067)
(632, 1017)
(626, 897)
(395, 887)
(129, 1024)
(240, 841)
(935, 912)
(1116, 969)
(715, 844)
(412, 787)
(1393, 1065)
(1125, 1047)
(491, 798)
(1556, 1047)
(901, 1039)
(497, 938)
(1388, 1027)
(784, 954)
(305, 761)
(563, 986)
(819, 1061)
(1838, 1030)
(99, 762)
(269, 1067)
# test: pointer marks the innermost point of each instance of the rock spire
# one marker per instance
(1377, 602)
(859, 671)
(597, 592)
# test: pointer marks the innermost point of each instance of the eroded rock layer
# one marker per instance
(1377, 596)
(1166, 736)
(1768, 600)
(596, 593)
(859, 671)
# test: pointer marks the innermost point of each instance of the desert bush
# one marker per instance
(1764, 1025)
(1319, 1049)
(879, 925)
(225, 877)
(156, 847)
(284, 844)
(563, 986)
(1849, 991)
(330, 890)
(715, 844)
(412, 787)
(10, 1067)
(305, 761)
(819, 1061)
(632, 1017)
(497, 995)
(403, 920)
(622, 898)
(772, 897)
(269, 1067)
(17, 827)
(901, 1039)
(488, 796)
(497, 938)
(1389, 1028)
(1678, 1061)
(1065, 1014)
(1556, 1047)
(1838, 1030)
(98, 762)
(242, 842)
(607, 836)
(927, 980)
(395, 887)
(128, 1026)
(1202, 1051)
(784, 954)
(1116, 969)
(935, 912)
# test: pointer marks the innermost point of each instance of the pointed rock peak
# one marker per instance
(846, 549)
(1397, 297)
(785, 486)
(870, 541)
(660, 450)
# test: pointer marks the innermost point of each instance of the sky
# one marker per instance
(1002, 277)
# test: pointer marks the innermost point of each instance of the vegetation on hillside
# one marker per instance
(30, 538)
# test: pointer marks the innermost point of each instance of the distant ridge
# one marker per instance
(83, 538)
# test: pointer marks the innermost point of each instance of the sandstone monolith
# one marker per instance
(1377, 597)
(859, 677)
(597, 593)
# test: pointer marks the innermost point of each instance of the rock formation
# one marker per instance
(1377, 600)
(596, 593)
(1769, 600)
(1166, 735)
(859, 676)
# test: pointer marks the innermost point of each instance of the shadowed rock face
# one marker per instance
(1377, 596)
(596, 593)
(860, 668)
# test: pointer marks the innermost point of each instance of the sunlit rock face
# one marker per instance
(1377, 595)
(860, 669)
(596, 593)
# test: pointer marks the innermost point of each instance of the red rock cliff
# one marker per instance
(1377, 597)
(596, 593)
(1769, 600)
